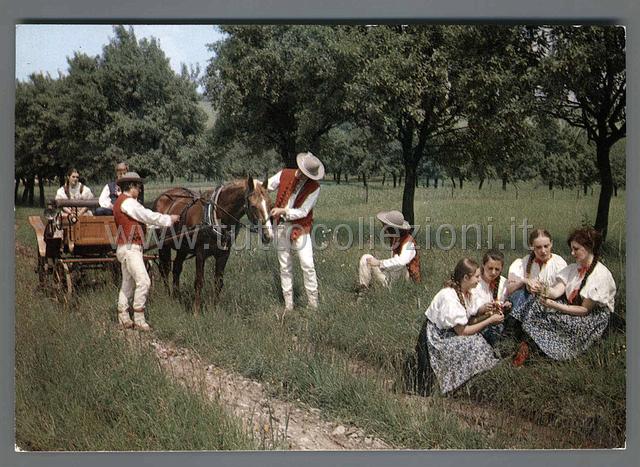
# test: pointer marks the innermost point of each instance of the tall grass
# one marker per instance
(346, 358)
(80, 386)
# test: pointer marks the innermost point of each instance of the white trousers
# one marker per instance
(135, 279)
(304, 248)
(367, 272)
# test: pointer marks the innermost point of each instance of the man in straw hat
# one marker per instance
(298, 191)
(130, 217)
(404, 262)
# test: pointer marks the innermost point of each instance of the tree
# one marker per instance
(402, 92)
(583, 81)
(152, 112)
(618, 165)
(280, 86)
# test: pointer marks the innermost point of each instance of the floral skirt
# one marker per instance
(455, 359)
(559, 335)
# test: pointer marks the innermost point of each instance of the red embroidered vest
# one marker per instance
(288, 183)
(130, 231)
(414, 265)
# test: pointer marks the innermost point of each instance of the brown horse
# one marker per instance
(209, 223)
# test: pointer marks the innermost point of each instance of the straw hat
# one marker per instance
(130, 177)
(310, 165)
(393, 219)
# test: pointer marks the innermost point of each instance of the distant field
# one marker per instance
(347, 357)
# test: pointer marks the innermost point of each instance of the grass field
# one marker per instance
(347, 357)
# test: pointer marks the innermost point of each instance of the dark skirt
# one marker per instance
(559, 335)
(455, 359)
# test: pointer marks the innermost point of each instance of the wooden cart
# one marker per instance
(69, 245)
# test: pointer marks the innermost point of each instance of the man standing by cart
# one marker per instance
(130, 218)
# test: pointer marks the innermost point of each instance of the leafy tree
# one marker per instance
(152, 113)
(402, 92)
(279, 86)
(583, 81)
(618, 165)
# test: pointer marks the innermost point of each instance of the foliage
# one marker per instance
(279, 86)
(583, 81)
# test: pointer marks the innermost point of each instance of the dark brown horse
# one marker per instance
(209, 223)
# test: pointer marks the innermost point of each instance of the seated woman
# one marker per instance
(453, 347)
(404, 262)
(576, 310)
(531, 274)
(74, 189)
(490, 295)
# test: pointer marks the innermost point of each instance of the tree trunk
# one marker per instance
(461, 179)
(550, 186)
(16, 187)
(25, 191)
(364, 179)
(417, 181)
(41, 190)
(606, 187)
(409, 192)
(504, 182)
(31, 186)
(171, 178)
(615, 190)
(395, 179)
(435, 182)
(453, 182)
(427, 185)
(346, 177)
(359, 176)
(400, 179)
(481, 183)
(585, 187)
(338, 174)
(384, 177)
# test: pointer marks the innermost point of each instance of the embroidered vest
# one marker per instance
(288, 183)
(414, 265)
(130, 231)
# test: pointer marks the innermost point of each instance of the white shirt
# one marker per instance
(600, 286)
(132, 208)
(546, 274)
(407, 253)
(104, 200)
(291, 213)
(74, 193)
(446, 311)
(482, 292)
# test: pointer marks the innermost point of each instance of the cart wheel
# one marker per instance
(63, 280)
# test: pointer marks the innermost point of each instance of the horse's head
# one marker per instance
(258, 206)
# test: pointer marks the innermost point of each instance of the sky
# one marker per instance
(45, 47)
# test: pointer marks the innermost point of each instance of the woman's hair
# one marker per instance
(465, 267)
(495, 255)
(537, 233)
(70, 172)
(590, 239)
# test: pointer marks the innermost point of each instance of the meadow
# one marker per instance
(346, 358)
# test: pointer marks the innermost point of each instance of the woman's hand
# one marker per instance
(535, 286)
(496, 318)
(506, 305)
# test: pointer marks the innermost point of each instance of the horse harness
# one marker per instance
(210, 219)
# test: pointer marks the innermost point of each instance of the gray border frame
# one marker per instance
(207, 11)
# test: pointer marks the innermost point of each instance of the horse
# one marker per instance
(210, 220)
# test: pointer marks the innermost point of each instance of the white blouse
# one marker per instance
(407, 253)
(74, 193)
(547, 274)
(482, 293)
(446, 311)
(600, 286)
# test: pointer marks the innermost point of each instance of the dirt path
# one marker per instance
(276, 424)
